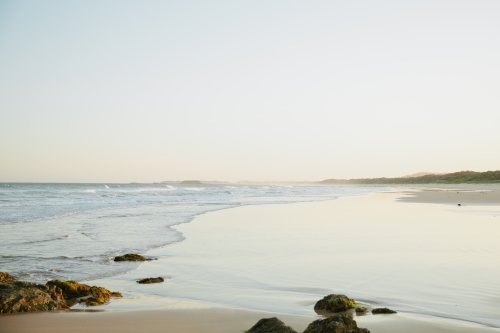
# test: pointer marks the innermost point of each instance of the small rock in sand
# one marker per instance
(270, 325)
(339, 323)
(151, 280)
(131, 257)
(383, 311)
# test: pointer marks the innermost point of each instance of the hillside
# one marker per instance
(449, 178)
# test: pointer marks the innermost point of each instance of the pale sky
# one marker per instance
(145, 91)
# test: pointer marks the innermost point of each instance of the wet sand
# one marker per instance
(464, 194)
(212, 321)
(242, 264)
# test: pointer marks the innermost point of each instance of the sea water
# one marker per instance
(73, 231)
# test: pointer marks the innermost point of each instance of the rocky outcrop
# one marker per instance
(71, 289)
(270, 325)
(360, 309)
(99, 296)
(335, 303)
(383, 311)
(151, 280)
(81, 293)
(6, 277)
(20, 296)
(339, 323)
(131, 257)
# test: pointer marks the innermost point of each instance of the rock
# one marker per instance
(71, 289)
(20, 296)
(459, 204)
(270, 325)
(383, 310)
(99, 296)
(83, 293)
(131, 257)
(6, 277)
(360, 309)
(339, 323)
(151, 280)
(335, 303)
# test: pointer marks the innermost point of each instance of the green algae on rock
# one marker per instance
(71, 289)
(131, 257)
(99, 296)
(270, 325)
(83, 293)
(339, 323)
(335, 303)
(383, 311)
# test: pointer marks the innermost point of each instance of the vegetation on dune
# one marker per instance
(461, 177)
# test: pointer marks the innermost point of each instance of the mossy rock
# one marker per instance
(270, 325)
(71, 289)
(83, 293)
(131, 257)
(339, 323)
(383, 311)
(21, 296)
(335, 303)
(360, 309)
(99, 296)
(6, 277)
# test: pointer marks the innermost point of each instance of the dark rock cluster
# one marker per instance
(336, 323)
(339, 323)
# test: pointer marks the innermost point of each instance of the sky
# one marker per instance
(146, 91)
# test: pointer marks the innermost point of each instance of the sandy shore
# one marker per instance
(464, 194)
(242, 264)
(212, 321)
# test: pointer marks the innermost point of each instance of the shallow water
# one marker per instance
(72, 231)
(435, 260)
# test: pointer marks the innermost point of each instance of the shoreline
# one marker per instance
(215, 320)
(196, 307)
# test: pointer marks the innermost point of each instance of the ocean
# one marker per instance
(73, 231)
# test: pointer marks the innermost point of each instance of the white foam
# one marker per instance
(171, 188)
(195, 188)
(106, 186)
(89, 191)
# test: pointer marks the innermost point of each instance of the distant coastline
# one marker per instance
(462, 177)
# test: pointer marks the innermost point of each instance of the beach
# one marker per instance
(387, 249)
